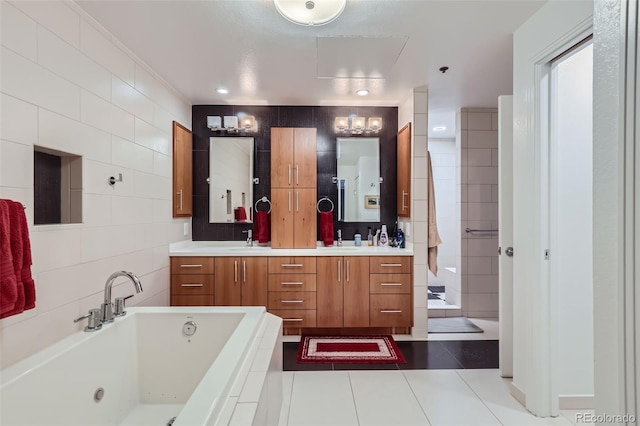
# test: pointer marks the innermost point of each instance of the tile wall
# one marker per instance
(478, 189)
(66, 84)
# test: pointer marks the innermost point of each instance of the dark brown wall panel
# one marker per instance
(320, 117)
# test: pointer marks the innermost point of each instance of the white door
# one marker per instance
(505, 236)
(557, 26)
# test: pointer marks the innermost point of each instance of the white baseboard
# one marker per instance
(576, 402)
(517, 393)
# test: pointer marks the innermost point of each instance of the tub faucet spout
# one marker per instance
(106, 310)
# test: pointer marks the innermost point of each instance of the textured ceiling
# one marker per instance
(386, 46)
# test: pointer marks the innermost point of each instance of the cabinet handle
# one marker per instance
(235, 271)
(403, 195)
(244, 271)
(339, 270)
(191, 266)
(297, 174)
(395, 284)
(289, 179)
(292, 319)
(293, 283)
(291, 301)
(348, 270)
(191, 285)
(297, 202)
(291, 265)
(390, 265)
(390, 311)
(289, 201)
(180, 194)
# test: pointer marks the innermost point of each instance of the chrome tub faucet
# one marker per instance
(106, 310)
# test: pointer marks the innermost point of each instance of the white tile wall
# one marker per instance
(479, 210)
(68, 85)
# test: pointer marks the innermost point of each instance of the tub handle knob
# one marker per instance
(120, 304)
(93, 320)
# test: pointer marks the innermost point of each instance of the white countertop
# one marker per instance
(239, 248)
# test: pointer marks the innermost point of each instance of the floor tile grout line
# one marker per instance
(416, 397)
(353, 397)
(480, 398)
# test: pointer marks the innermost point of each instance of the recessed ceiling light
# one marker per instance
(222, 90)
(362, 92)
(439, 128)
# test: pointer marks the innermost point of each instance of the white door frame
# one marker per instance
(551, 31)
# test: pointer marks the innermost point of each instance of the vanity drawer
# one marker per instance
(390, 310)
(292, 300)
(192, 300)
(292, 318)
(192, 284)
(390, 264)
(292, 265)
(192, 265)
(292, 282)
(390, 283)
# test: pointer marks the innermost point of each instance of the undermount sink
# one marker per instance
(246, 248)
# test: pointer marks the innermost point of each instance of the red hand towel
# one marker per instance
(261, 227)
(17, 252)
(8, 280)
(326, 228)
(241, 215)
(25, 274)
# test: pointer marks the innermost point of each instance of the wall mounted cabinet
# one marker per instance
(404, 171)
(293, 188)
(182, 171)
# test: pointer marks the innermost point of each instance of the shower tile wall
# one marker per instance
(478, 144)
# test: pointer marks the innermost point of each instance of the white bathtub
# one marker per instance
(230, 370)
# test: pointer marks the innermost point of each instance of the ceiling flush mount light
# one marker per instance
(362, 92)
(310, 12)
(440, 128)
(222, 90)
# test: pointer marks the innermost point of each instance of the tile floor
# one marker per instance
(405, 397)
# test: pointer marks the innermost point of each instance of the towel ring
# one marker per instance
(264, 200)
(321, 200)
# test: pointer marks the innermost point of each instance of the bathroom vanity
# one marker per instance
(327, 288)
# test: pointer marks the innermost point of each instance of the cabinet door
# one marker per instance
(281, 157)
(305, 218)
(404, 171)
(254, 281)
(329, 297)
(182, 171)
(282, 218)
(305, 158)
(356, 291)
(228, 290)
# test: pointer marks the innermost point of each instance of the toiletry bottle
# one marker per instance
(376, 237)
(384, 237)
(357, 239)
(400, 238)
(369, 237)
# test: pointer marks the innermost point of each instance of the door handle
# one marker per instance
(509, 251)
(297, 174)
(244, 271)
(339, 270)
(348, 270)
(235, 271)
(289, 179)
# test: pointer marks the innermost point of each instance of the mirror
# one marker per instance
(231, 180)
(358, 179)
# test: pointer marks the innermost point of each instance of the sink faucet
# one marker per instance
(106, 310)
(249, 233)
(339, 237)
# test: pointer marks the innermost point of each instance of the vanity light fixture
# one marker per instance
(214, 122)
(231, 123)
(357, 127)
(248, 123)
(310, 12)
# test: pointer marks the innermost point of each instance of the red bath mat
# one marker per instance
(354, 349)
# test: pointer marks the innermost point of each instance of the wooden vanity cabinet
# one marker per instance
(292, 291)
(404, 171)
(182, 171)
(391, 295)
(343, 291)
(192, 282)
(241, 281)
(293, 188)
